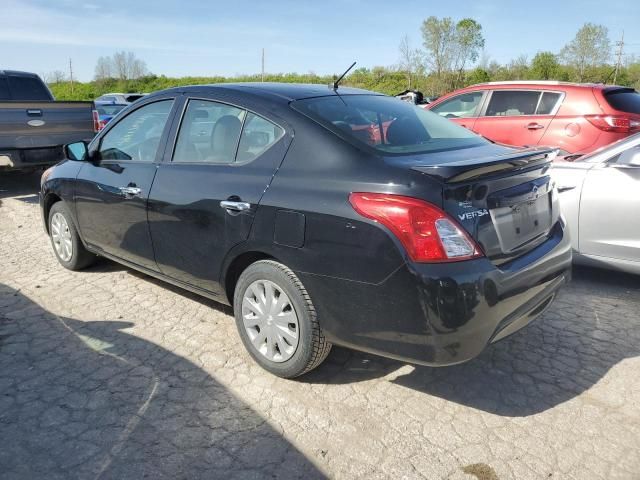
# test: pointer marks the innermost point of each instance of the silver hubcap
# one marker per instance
(61, 236)
(270, 320)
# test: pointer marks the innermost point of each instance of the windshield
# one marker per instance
(387, 124)
(109, 109)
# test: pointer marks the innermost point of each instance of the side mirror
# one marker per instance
(76, 151)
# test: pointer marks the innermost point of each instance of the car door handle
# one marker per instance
(235, 206)
(131, 191)
(534, 126)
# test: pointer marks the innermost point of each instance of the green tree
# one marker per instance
(545, 66)
(468, 44)
(589, 48)
(477, 75)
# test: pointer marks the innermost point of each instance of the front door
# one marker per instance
(204, 199)
(517, 117)
(112, 190)
(609, 222)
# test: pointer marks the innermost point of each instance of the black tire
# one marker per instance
(80, 256)
(312, 346)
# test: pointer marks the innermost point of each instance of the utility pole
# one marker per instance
(620, 46)
(262, 76)
(71, 75)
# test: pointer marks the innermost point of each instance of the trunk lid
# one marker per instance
(504, 198)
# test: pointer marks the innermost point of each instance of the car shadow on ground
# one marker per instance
(89, 400)
(19, 184)
(591, 327)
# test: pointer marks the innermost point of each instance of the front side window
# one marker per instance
(461, 106)
(387, 124)
(510, 103)
(209, 133)
(137, 136)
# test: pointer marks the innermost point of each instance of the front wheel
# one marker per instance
(65, 240)
(277, 321)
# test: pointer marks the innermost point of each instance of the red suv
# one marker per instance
(576, 118)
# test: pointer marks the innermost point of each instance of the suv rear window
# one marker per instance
(28, 88)
(387, 124)
(624, 99)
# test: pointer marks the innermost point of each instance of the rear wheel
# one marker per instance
(65, 240)
(277, 321)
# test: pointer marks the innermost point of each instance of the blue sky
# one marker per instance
(188, 37)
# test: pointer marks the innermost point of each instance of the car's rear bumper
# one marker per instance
(442, 314)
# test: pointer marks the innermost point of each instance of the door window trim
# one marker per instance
(554, 111)
(170, 152)
(95, 148)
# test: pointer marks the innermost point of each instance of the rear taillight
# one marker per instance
(97, 125)
(426, 232)
(614, 123)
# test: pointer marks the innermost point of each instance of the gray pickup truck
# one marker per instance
(34, 127)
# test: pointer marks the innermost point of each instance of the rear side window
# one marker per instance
(461, 106)
(625, 100)
(509, 103)
(28, 88)
(257, 136)
(4, 89)
(209, 133)
(387, 124)
(548, 103)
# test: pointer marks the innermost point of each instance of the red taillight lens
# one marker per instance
(614, 123)
(426, 232)
(96, 122)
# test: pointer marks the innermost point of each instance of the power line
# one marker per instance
(620, 46)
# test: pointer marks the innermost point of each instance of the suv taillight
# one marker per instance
(614, 123)
(426, 232)
(97, 126)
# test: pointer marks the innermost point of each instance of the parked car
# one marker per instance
(120, 98)
(425, 243)
(600, 198)
(108, 110)
(576, 118)
(34, 126)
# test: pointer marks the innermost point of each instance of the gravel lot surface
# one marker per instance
(110, 374)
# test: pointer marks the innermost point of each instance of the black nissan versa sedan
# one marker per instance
(324, 216)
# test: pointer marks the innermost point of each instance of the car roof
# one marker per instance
(541, 83)
(285, 91)
(18, 73)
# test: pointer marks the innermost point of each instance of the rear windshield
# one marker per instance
(387, 124)
(624, 99)
(28, 88)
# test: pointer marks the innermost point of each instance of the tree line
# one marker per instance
(451, 55)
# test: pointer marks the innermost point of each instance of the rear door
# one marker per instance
(517, 117)
(206, 193)
(462, 109)
(609, 224)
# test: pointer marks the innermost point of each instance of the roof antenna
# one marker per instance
(337, 81)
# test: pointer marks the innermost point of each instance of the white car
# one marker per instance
(600, 199)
